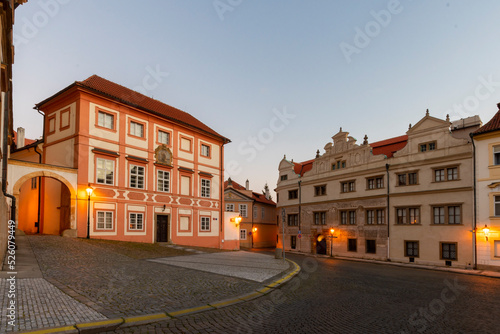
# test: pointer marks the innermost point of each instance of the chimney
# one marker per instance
(247, 185)
(20, 137)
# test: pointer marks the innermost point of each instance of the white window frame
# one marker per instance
(205, 224)
(243, 208)
(255, 211)
(103, 119)
(243, 234)
(137, 176)
(103, 220)
(229, 207)
(163, 182)
(205, 188)
(133, 218)
(137, 127)
(164, 137)
(205, 150)
(496, 201)
(105, 170)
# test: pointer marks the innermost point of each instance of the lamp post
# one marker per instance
(89, 193)
(331, 241)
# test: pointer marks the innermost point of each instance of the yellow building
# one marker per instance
(258, 227)
(405, 199)
(487, 157)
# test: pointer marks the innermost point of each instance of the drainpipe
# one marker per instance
(5, 152)
(221, 218)
(474, 219)
(300, 209)
(388, 212)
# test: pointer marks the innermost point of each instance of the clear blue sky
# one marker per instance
(370, 67)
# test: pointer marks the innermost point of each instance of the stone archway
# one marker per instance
(67, 221)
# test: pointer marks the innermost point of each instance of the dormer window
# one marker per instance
(284, 177)
(338, 164)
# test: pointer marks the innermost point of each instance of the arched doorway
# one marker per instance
(45, 203)
(320, 244)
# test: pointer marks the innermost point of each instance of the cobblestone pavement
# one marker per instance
(335, 296)
(42, 305)
(116, 285)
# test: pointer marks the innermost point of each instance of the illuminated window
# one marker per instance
(407, 216)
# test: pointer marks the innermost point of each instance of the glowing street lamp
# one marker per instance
(236, 220)
(89, 193)
(331, 241)
(486, 232)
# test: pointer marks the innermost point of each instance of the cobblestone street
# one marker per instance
(334, 296)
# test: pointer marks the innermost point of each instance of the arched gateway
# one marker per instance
(45, 197)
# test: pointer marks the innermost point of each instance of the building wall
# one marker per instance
(488, 177)
(79, 142)
(373, 240)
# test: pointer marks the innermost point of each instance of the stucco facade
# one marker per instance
(405, 199)
(258, 227)
(156, 172)
(487, 151)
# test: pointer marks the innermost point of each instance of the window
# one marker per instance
(348, 186)
(104, 220)
(411, 248)
(352, 245)
(375, 182)
(205, 150)
(497, 206)
(205, 223)
(255, 209)
(407, 179)
(348, 217)
(409, 216)
(370, 217)
(293, 220)
(448, 251)
(338, 164)
(163, 181)
(104, 171)
(136, 221)
(447, 214)
(105, 120)
(428, 146)
(205, 188)
(380, 216)
(293, 194)
(446, 174)
(320, 218)
(262, 213)
(496, 250)
(230, 207)
(163, 137)
(496, 155)
(293, 241)
(320, 190)
(243, 234)
(371, 246)
(136, 129)
(137, 177)
(284, 177)
(243, 210)
(33, 183)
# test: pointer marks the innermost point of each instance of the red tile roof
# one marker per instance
(125, 95)
(302, 167)
(26, 140)
(255, 196)
(389, 146)
(492, 125)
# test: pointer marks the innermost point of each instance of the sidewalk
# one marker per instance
(486, 273)
(71, 285)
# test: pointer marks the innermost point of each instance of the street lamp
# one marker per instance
(486, 231)
(331, 241)
(89, 193)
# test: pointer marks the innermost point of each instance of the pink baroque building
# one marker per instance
(156, 172)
